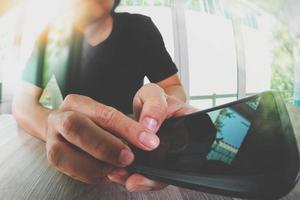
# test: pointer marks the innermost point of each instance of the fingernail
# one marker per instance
(139, 189)
(149, 140)
(150, 123)
(126, 157)
(116, 178)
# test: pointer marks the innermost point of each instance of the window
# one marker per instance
(18, 30)
(223, 49)
(258, 59)
(201, 103)
(212, 55)
(8, 53)
(234, 50)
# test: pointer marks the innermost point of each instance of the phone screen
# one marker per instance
(240, 138)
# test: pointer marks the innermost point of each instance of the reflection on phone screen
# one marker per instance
(241, 138)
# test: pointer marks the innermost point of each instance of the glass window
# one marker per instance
(211, 6)
(9, 53)
(259, 58)
(202, 104)
(212, 54)
(18, 30)
(194, 4)
(221, 101)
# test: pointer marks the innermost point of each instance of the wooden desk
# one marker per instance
(26, 174)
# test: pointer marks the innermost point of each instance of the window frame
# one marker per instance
(181, 49)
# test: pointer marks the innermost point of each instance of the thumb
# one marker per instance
(152, 104)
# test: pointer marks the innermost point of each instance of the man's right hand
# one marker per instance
(82, 139)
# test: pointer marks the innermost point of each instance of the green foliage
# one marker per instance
(282, 66)
(224, 113)
(269, 5)
(133, 2)
(145, 2)
(193, 4)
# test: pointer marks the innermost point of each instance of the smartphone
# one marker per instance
(246, 148)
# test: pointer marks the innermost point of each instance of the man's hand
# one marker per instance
(83, 142)
(151, 107)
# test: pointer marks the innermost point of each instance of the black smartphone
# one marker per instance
(246, 148)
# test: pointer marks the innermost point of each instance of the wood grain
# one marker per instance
(26, 174)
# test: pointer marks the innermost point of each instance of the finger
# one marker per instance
(137, 183)
(178, 108)
(74, 163)
(113, 120)
(118, 175)
(83, 133)
(150, 106)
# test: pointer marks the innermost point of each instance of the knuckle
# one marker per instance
(69, 122)
(99, 149)
(150, 85)
(107, 152)
(102, 151)
(54, 154)
(154, 86)
(69, 99)
(106, 116)
(131, 129)
(157, 107)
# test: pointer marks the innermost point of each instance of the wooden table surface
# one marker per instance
(25, 173)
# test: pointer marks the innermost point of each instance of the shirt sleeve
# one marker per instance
(158, 64)
(33, 71)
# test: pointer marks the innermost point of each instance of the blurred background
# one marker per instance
(224, 49)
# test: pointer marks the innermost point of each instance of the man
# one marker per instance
(99, 83)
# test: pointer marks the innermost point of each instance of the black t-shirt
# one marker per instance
(113, 71)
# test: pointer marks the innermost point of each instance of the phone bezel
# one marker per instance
(261, 186)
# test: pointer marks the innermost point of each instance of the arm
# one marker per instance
(157, 63)
(31, 116)
(172, 87)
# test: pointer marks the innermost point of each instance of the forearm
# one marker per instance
(32, 117)
(176, 91)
